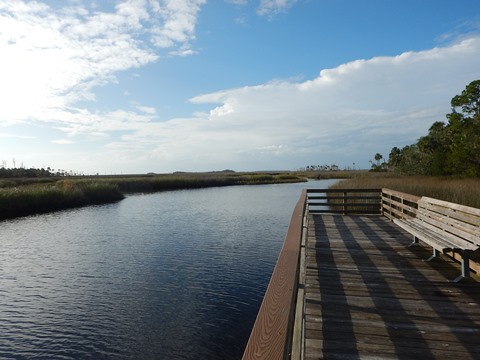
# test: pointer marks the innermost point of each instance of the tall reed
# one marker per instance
(457, 190)
(132, 184)
(27, 196)
(65, 194)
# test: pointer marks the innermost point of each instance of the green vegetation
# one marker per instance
(25, 196)
(39, 198)
(22, 172)
(464, 191)
(444, 164)
(325, 175)
(451, 148)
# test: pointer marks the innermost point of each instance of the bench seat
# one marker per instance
(446, 227)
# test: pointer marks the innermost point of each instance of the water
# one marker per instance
(173, 275)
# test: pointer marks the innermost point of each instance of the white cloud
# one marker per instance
(241, 20)
(345, 115)
(146, 109)
(175, 21)
(63, 141)
(15, 136)
(273, 7)
(52, 58)
(350, 111)
(237, 2)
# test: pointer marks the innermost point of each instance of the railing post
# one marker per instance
(381, 202)
(389, 204)
(403, 208)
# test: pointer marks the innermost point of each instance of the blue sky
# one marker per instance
(136, 86)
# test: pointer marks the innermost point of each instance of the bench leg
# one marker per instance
(465, 265)
(414, 242)
(434, 255)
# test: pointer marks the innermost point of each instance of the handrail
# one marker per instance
(271, 336)
(403, 206)
(399, 205)
(272, 331)
(344, 201)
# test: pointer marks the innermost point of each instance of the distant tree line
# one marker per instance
(378, 164)
(451, 148)
(332, 167)
(22, 172)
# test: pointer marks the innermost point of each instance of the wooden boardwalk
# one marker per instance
(370, 296)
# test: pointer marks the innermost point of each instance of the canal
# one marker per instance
(171, 275)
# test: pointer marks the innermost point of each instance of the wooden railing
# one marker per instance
(273, 335)
(396, 204)
(344, 201)
(272, 332)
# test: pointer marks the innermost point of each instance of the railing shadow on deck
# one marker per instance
(387, 305)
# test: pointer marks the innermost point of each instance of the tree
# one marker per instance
(468, 100)
(413, 161)
(378, 166)
(451, 148)
(394, 157)
(464, 125)
(435, 146)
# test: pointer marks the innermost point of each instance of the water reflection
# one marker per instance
(174, 275)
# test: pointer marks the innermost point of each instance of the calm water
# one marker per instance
(173, 275)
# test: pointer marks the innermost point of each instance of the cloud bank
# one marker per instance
(53, 60)
(344, 115)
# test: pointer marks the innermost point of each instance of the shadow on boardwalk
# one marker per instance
(369, 295)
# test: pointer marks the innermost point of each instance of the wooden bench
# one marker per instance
(446, 227)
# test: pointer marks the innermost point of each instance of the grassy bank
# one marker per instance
(20, 197)
(133, 184)
(460, 191)
(325, 175)
(64, 194)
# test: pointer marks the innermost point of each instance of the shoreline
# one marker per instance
(32, 196)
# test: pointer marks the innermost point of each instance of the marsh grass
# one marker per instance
(32, 196)
(456, 190)
(133, 184)
(338, 174)
(65, 194)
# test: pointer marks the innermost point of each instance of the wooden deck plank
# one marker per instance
(370, 296)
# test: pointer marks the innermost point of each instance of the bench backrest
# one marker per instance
(451, 220)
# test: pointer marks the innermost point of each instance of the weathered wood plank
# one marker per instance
(270, 337)
(450, 224)
(451, 213)
(349, 191)
(366, 293)
(458, 207)
(344, 201)
(369, 295)
(401, 195)
(434, 236)
(402, 212)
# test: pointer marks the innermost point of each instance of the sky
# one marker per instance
(138, 86)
